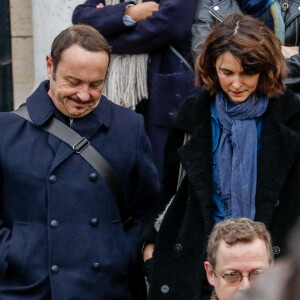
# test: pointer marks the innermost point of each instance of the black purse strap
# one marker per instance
(82, 146)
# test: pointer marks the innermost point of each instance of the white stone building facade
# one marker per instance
(34, 25)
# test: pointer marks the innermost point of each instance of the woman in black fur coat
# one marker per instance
(241, 157)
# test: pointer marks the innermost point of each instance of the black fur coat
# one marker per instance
(176, 270)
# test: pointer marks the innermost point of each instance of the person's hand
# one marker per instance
(100, 5)
(141, 11)
(289, 51)
(148, 252)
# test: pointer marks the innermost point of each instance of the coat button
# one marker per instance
(52, 178)
(276, 250)
(216, 7)
(94, 222)
(54, 224)
(164, 289)
(93, 177)
(178, 247)
(54, 269)
(96, 266)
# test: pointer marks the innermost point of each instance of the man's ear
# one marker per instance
(49, 66)
(209, 273)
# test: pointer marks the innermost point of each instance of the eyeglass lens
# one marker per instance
(234, 277)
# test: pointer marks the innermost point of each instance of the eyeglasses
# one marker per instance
(236, 277)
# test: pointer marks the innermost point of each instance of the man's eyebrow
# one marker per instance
(70, 77)
(98, 81)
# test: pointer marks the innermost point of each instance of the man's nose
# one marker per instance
(84, 94)
(245, 283)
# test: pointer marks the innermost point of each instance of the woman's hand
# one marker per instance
(289, 51)
(148, 252)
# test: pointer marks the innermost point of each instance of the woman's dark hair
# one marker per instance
(254, 44)
(82, 35)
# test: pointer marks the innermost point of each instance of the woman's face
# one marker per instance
(233, 80)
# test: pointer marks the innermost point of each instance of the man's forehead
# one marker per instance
(241, 252)
(80, 51)
(78, 62)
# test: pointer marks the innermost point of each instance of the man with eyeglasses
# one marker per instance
(238, 252)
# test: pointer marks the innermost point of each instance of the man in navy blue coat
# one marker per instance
(155, 28)
(61, 235)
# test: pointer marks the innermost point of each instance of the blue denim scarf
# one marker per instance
(237, 153)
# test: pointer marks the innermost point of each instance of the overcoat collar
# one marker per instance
(280, 144)
(41, 109)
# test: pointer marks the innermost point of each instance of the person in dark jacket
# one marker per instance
(161, 32)
(241, 157)
(61, 235)
(283, 17)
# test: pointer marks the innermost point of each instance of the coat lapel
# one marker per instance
(86, 126)
(280, 145)
(41, 109)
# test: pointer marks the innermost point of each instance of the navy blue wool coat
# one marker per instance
(60, 231)
(170, 81)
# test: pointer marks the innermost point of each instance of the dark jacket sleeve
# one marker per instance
(202, 26)
(146, 185)
(293, 79)
(170, 24)
(169, 182)
(108, 20)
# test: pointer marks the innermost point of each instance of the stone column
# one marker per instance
(22, 49)
(49, 19)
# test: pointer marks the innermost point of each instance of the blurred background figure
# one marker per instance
(238, 252)
(242, 157)
(151, 69)
(283, 281)
(282, 16)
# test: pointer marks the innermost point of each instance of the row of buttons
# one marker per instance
(55, 268)
(93, 177)
(165, 288)
(55, 224)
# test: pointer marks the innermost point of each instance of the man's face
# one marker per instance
(243, 257)
(77, 84)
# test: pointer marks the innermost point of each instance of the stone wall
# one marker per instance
(34, 24)
(22, 49)
(49, 19)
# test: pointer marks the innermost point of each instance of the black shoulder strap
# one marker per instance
(83, 147)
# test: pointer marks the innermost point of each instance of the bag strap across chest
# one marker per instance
(82, 146)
